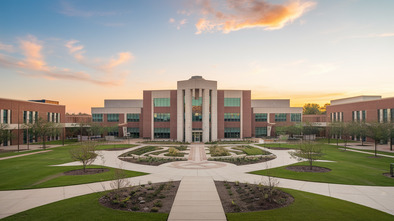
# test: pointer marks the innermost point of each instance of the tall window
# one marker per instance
(280, 117)
(261, 131)
(261, 117)
(24, 117)
(162, 132)
(232, 132)
(378, 115)
(97, 117)
(232, 102)
(364, 115)
(231, 117)
(197, 109)
(385, 118)
(161, 102)
(36, 117)
(48, 117)
(392, 115)
(113, 132)
(113, 117)
(134, 132)
(5, 116)
(161, 117)
(31, 117)
(295, 117)
(133, 117)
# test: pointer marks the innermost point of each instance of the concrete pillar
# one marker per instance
(214, 115)
(9, 116)
(389, 115)
(188, 115)
(381, 116)
(241, 134)
(1, 116)
(268, 131)
(205, 115)
(180, 115)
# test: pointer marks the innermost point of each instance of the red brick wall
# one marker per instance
(247, 114)
(220, 105)
(147, 112)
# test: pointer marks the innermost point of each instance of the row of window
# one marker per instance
(282, 117)
(359, 116)
(161, 117)
(133, 132)
(231, 117)
(161, 133)
(51, 117)
(232, 102)
(337, 117)
(133, 117)
(384, 116)
(232, 132)
(161, 102)
(261, 131)
(5, 113)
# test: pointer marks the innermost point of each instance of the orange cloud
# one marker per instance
(31, 48)
(76, 50)
(7, 48)
(250, 14)
(123, 57)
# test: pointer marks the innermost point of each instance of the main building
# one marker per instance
(196, 112)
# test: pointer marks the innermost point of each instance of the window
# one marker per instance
(261, 131)
(113, 132)
(49, 117)
(363, 115)
(232, 102)
(261, 117)
(162, 133)
(358, 116)
(31, 117)
(5, 117)
(161, 117)
(36, 117)
(133, 117)
(113, 117)
(97, 117)
(334, 118)
(379, 115)
(24, 117)
(232, 132)
(280, 117)
(161, 102)
(385, 116)
(295, 117)
(392, 115)
(197, 109)
(134, 132)
(231, 117)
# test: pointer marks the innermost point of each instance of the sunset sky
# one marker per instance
(82, 52)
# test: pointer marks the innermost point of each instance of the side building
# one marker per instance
(196, 112)
(16, 113)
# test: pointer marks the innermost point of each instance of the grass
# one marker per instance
(334, 141)
(279, 145)
(84, 207)
(114, 146)
(249, 150)
(58, 142)
(309, 206)
(163, 142)
(142, 150)
(349, 168)
(373, 151)
(15, 153)
(230, 142)
(23, 172)
(217, 151)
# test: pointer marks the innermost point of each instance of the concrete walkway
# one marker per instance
(26, 154)
(376, 197)
(197, 199)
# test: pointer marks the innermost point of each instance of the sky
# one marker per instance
(82, 52)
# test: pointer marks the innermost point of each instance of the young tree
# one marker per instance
(42, 128)
(378, 131)
(5, 133)
(95, 129)
(311, 108)
(86, 153)
(309, 151)
(336, 129)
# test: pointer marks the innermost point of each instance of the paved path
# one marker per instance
(197, 199)
(370, 153)
(26, 154)
(376, 197)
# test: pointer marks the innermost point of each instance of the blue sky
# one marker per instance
(82, 52)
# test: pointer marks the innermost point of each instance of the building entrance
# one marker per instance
(197, 137)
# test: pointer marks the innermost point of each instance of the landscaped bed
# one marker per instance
(141, 151)
(157, 197)
(152, 161)
(243, 160)
(250, 150)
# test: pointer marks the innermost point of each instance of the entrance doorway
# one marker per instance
(197, 137)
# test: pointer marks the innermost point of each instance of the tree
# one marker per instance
(311, 108)
(378, 131)
(295, 129)
(42, 128)
(336, 129)
(323, 110)
(95, 129)
(360, 130)
(309, 129)
(86, 153)
(309, 151)
(5, 133)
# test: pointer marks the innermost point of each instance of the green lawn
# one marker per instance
(112, 146)
(349, 168)
(84, 207)
(308, 206)
(281, 145)
(249, 150)
(142, 150)
(334, 141)
(58, 142)
(373, 151)
(14, 153)
(23, 172)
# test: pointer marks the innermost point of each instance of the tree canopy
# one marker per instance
(311, 108)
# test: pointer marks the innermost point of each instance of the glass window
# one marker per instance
(392, 115)
(364, 115)
(261, 131)
(48, 117)
(261, 117)
(113, 117)
(5, 116)
(133, 117)
(280, 117)
(31, 117)
(232, 132)
(97, 117)
(197, 109)
(231, 117)
(161, 117)
(161, 102)
(24, 117)
(113, 132)
(36, 117)
(295, 117)
(385, 115)
(162, 132)
(134, 132)
(232, 102)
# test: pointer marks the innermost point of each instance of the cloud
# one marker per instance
(171, 20)
(249, 14)
(34, 65)
(70, 10)
(178, 24)
(7, 48)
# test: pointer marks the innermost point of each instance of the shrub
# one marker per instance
(216, 151)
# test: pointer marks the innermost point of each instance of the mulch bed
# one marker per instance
(156, 197)
(88, 171)
(243, 197)
(315, 169)
(388, 175)
(242, 160)
(152, 162)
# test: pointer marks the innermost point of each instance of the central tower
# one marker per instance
(197, 110)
